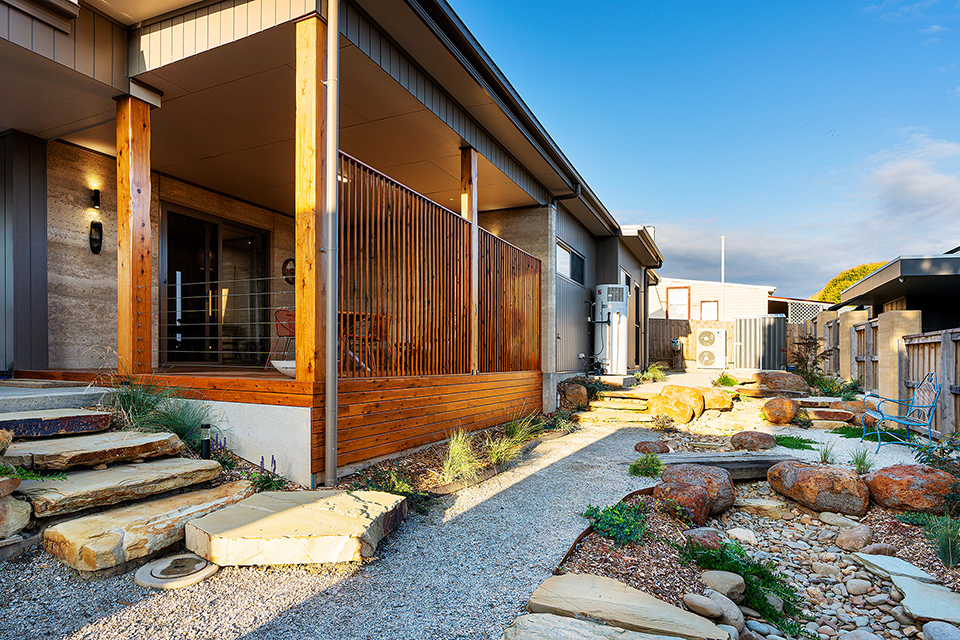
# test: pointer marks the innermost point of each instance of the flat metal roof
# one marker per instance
(907, 275)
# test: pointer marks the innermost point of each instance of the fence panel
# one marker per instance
(936, 352)
(664, 331)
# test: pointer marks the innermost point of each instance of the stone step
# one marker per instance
(741, 465)
(297, 527)
(98, 488)
(41, 395)
(830, 414)
(53, 422)
(633, 395)
(621, 382)
(619, 405)
(817, 402)
(114, 537)
(756, 392)
(609, 415)
(91, 450)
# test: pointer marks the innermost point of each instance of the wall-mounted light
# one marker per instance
(95, 197)
(96, 236)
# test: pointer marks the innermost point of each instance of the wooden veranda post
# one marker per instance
(134, 253)
(468, 209)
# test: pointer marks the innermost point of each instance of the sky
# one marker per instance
(815, 136)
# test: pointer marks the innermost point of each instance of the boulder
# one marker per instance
(752, 441)
(716, 399)
(820, 487)
(780, 410)
(855, 538)
(715, 480)
(651, 446)
(731, 613)
(544, 626)
(614, 603)
(910, 487)
(670, 407)
(8, 485)
(705, 537)
(695, 499)
(575, 396)
(725, 583)
(781, 380)
(702, 605)
(688, 395)
(6, 437)
(14, 516)
(937, 630)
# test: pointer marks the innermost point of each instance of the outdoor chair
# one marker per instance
(920, 411)
(366, 342)
(285, 322)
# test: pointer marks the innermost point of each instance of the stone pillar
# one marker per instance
(848, 368)
(892, 367)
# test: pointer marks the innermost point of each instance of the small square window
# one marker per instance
(570, 265)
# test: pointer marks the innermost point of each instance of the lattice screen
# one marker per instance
(800, 312)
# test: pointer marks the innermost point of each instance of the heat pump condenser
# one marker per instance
(610, 328)
(712, 348)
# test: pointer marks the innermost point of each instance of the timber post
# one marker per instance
(468, 209)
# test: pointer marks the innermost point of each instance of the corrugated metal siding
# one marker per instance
(760, 341)
(6, 266)
(572, 310)
(96, 46)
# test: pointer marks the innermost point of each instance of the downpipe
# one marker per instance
(331, 158)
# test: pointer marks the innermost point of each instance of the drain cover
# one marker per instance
(175, 572)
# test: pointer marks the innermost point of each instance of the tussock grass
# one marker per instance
(460, 463)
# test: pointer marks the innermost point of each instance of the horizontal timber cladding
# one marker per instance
(381, 416)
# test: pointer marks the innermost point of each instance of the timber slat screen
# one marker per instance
(939, 352)
(404, 280)
(509, 307)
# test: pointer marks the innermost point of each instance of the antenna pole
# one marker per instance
(723, 277)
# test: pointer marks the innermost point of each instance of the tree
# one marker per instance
(831, 292)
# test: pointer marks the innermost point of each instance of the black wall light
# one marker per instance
(96, 236)
(96, 198)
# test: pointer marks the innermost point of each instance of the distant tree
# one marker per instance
(831, 292)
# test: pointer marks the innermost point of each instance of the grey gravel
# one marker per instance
(463, 571)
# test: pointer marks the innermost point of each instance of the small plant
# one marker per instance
(653, 373)
(263, 480)
(915, 518)
(802, 420)
(943, 455)
(220, 452)
(561, 420)
(526, 428)
(623, 522)
(461, 462)
(795, 442)
(181, 417)
(501, 450)
(673, 508)
(663, 423)
(136, 398)
(392, 482)
(944, 532)
(826, 453)
(9, 471)
(725, 380)
(861, 460)
(806, 358)
(647, 466)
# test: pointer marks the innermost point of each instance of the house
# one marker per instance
(703, 300)
(188, 188)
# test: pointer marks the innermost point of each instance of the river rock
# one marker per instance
(857, 587)
(781, 381)
(715, 480)
(879, 549)
(820, 487)
(614, 603)
(910, 487)
(716, 399)
(731, 613)
(651, 446)
(8, 485)
(752, 441)
(937, 630)
(694, 498)
(859, 634)
(732, 631)
(780, 410)
(725, 583)
(688, 395)
(837, 520)
(14, 516)
(743, 535)
(854, 539)
(702, 605)
(669, 407)
(826, 570)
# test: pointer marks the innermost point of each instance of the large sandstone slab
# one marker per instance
(297, 527)
(925, 601)
(53, 422)
(614, 415)
(887, 566)
(113, 537)
(91, 450)
(543, 626)
(14, 516)
(614, 603)
(83, 489)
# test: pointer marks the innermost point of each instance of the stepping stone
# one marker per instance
(773, 509)
(83, 489)
(175, 572)
(618, 405)
(114, 537)
(628, 395)
(297, 527)
(543, 626)
(742, 465)
(828, 425)
(754, 392)
(830, 414)
(925, 601)
(91, 450)
(53, 422)
(614, 603)
(816, 402)
(610, 415)
(887, 566)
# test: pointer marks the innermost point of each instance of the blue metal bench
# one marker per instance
(920, 411)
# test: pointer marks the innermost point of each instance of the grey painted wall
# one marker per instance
(23, 274)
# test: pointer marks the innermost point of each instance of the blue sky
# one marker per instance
(815, 136)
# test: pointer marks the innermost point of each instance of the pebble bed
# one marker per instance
(466, 570)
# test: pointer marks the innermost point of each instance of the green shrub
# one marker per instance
(648, 465)
(653, 373)
(802, 420)
(622, 522)
(943, 454)
(760, 579)
(861, 460)
(593, 386)
(561, 420)
(806, 358)
(795, 442)
(461, 462)
(220, 452)
(398, 485)
(9, 471)
(915, 518)
(725, 380)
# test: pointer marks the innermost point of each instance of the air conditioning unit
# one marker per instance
(610, 327)
(712, 348)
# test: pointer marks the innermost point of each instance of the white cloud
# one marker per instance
(934, 28)
(896, 10)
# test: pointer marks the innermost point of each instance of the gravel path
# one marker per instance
(463, 571)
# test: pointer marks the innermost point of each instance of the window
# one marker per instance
(570, 264)
(625, 278)
(709, 310)
(678, 303)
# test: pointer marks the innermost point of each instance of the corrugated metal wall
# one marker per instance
(759, 342)
(572, 310)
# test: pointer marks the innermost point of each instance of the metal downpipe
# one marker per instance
(331, 165)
